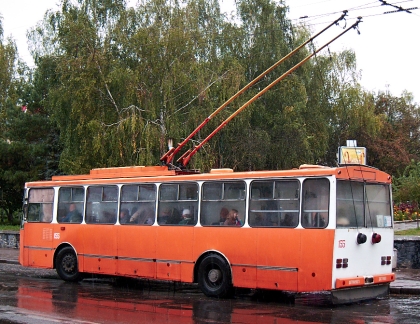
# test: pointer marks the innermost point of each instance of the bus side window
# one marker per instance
(101, 204)
(40, 205)
(274, 203)
(178, 204)
(140, 199)
(316, 193)
(219, 200)
(70, 204)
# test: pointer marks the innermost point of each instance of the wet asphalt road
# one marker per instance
(39, 296)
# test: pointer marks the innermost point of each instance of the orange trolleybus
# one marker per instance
(310, 229)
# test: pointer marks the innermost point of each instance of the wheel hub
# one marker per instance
(68, 264)
(214, 275)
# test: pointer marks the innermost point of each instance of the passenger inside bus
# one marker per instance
(143, 215)
(187, 218)
(124, 216)
(175, 217)
(169, 216)
(233, 218)
(108, 217)
(164, 216)
(289, 221)
(224, 213)
(73, 216)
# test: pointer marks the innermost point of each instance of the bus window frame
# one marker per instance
(315, 213)
(41, 206)
(103, 211)
(264, 214)
(361, 217)
(380, 220)
(171, 209)
(134, 217)
(239, 204)
(67, 204)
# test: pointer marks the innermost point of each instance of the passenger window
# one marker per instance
(101, 204)
(274, 203)
(70, 204)
(178, 204)
(316, 196)
(40, 205)
(223, 203)
(350, 204)
(378, 206)
(138, 204)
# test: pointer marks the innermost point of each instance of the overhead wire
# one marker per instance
(307, 19)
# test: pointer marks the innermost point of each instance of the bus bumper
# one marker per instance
(351, 295)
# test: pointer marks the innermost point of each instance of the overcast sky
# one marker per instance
(387, 49)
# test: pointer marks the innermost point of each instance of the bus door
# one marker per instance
(136, 235)
(100, 233)
(37, 231)
(274, 213)
(316, 238)
(70, 211)
(177, 215)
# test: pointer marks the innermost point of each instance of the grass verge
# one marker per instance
(9, 227)
(411, 231)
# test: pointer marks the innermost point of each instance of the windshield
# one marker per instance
(363, 204)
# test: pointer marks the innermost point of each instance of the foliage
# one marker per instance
(26, 133)
(406, 211)
(134, 76)
(407, 188)
(397, 143)
(113, 83)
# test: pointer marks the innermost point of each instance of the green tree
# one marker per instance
(407, 186)
(261, 136)
(128, 79)
(9, 190)
(118, 82)
(27, 148)
(397, 143)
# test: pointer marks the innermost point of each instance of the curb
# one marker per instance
(404, 291)
(9, 261)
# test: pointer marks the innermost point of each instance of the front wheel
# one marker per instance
(66, 265)
(214, 278)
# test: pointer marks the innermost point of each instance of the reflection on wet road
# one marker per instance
(38, 296)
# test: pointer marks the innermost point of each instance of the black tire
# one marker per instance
(214, 277)
(66, 265)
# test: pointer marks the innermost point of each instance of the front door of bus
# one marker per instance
(38, 230)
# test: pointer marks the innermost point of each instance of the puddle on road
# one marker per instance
(105, 300)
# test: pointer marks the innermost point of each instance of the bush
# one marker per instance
(406, 211)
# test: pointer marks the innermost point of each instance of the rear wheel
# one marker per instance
(66, 265)
(214, 278)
